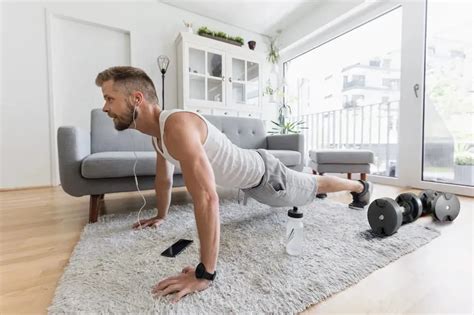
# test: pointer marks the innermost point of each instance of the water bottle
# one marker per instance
(294, 232)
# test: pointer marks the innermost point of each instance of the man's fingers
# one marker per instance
(145, 223)
(141, 223)
(163, 284)
(180, 294)
(170, 289)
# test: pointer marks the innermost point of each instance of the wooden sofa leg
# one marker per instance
(95, 202)
(349, 175)
(363, 176)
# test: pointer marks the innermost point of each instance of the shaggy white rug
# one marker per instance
(113, 267)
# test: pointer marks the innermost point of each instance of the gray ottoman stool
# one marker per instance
(341, 161)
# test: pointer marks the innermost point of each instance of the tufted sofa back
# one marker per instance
(248, 133)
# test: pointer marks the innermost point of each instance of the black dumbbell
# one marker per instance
(442, 206)
(387, 215)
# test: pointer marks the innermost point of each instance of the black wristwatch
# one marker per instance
(201, 273)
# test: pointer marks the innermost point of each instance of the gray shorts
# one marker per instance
(281, 186)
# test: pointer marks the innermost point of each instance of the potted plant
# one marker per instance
(270, 91)
(273, 52)
(464, 165)
(220, 36)
(273, 49)
(285, 125)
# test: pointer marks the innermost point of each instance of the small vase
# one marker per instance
(252, 44)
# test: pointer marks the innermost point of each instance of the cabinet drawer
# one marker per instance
(223, 112)
(200, 110)
(250, 115)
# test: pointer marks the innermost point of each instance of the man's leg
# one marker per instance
(332, 184)
(360, 190)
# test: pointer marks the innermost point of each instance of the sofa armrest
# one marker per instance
(74, 144)
(294, 142)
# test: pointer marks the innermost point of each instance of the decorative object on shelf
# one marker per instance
(252, 44)
(189, 26)
(274, 50)
(163, 63)
(220, 36)
(216, 65)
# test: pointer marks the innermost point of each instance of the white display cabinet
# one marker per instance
(218, 78)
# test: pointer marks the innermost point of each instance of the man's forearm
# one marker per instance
(163, 199)
(208, 225)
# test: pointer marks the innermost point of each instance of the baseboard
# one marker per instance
(26, 188)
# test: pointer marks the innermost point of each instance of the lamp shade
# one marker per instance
(163, 63)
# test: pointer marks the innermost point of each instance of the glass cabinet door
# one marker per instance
(214, 80)
(238, 81)
(196, 68)
(206, 76)
(253, 76)
(245, 82)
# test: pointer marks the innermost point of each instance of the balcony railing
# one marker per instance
(373, 127)
(353, 84)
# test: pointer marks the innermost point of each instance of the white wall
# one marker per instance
(25, 139)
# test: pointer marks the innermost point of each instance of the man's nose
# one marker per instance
(105, 109)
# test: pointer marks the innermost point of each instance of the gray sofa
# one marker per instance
(101, 162)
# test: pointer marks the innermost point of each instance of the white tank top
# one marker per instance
(233, 167)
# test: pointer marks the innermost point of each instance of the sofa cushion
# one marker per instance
(287, 157)
(340, 168)
(119, 164)
(341, 156)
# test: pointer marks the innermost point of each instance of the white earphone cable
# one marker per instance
(135, 172)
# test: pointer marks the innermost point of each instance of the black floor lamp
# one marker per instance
(163, 63)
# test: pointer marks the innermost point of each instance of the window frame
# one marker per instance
(411, 110)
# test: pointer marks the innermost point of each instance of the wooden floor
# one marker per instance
(40, 227)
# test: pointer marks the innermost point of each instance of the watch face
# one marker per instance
(199, 271)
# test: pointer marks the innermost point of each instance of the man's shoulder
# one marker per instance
(178, 118)
(182, 121)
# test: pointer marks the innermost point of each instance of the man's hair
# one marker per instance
(131, 79)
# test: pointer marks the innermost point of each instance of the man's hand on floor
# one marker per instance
(183, 284)
(153, 222)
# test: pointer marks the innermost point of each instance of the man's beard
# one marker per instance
(124, 122)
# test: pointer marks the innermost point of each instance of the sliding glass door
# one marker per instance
(347, 91)
(448, 155)
(404, 92)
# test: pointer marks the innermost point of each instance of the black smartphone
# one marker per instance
(176, 248)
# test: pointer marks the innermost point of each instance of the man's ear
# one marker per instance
(137, 98)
